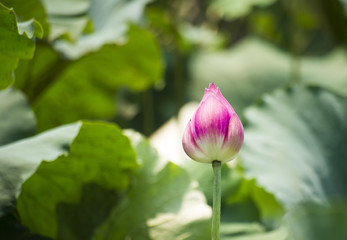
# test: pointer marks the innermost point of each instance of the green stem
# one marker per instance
(216, 165)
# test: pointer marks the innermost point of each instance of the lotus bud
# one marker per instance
(215, 132)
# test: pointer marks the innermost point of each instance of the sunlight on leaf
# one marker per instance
(20, 159)
(109, 22)
(296, 146)
(31, 28)
(19, 121)
(28, 10)
(100, 154)
(14, 44)
(163, 203)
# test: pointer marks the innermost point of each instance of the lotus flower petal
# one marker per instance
(215, 132)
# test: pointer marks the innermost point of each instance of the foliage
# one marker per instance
(75, 74)
(16, 43)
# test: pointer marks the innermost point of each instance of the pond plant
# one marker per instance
(214, 135)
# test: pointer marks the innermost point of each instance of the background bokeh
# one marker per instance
(95, 95)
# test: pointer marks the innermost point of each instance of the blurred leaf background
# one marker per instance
(95, 96)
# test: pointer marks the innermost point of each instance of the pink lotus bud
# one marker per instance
(215, 132)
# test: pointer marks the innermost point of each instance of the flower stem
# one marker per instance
(216, 165)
